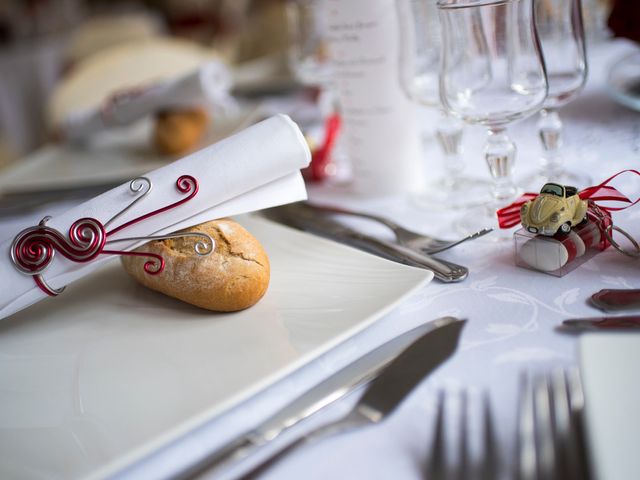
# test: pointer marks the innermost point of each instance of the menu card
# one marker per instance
(381, 134)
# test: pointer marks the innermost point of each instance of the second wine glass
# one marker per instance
(492, 74)
(419, 62)
(561, 32)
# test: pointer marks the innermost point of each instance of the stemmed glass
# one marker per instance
(308, 52)
(309, 59)
(492, 74)
(419, 61)
(561, 32)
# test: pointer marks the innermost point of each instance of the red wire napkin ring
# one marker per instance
(509, 216)
(34, 248)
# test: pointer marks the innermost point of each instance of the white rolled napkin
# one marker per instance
(208, 86)
(254, 169)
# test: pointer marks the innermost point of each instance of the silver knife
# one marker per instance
(391, 371)
(298, 216)
(628, 322)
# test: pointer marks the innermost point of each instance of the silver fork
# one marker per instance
(550, 427)
(404, 236)
(451, 456)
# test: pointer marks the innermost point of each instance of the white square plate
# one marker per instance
(90, 379)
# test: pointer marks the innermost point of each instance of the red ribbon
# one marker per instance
(509, 216)
(321, 158)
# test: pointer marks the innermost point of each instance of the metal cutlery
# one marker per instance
(551, 440)
(627, 322)
(391, 372)
(300, 216)
(18, 202)
(610, 299)
(404, 236)
(460, 462)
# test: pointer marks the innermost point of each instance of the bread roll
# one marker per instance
(234, 277)
(177, 132)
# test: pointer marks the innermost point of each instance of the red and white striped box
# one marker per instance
(559, 254)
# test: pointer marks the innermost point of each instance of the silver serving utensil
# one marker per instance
(611, 300)
(404, 236)
(298, 215)
(391, 371)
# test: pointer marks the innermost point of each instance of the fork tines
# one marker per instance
(469, 450)
(550, 430)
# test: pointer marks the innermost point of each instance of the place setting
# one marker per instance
(265, 244)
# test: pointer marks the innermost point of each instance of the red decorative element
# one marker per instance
(321, 158)
(44, 287)
(184, 184)
(151, 267)
(509, 216)
(34, 248)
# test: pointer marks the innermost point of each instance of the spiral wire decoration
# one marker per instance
(34, 248)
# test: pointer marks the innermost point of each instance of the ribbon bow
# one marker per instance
(509, 216)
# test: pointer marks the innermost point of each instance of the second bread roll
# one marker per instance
(233, 277)
(177, 132)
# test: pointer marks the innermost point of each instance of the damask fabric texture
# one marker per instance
(512, 312)
(624, 19)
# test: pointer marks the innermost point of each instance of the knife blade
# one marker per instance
(391, 371)
(628, 322)
(298, 216)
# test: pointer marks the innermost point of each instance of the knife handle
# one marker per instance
(249, 443)
(225, 457)
(443, 270)
(616, 299)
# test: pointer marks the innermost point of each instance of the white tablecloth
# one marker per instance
(512, 312)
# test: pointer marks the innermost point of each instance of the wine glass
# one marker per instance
(561, 32)
(420, 44)
(310, 62)
(307, 25)
(492, 74)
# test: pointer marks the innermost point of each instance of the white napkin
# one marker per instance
(254, 169)
(207, 86)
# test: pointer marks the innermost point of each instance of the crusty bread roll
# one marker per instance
(177, 132)
(234, 277)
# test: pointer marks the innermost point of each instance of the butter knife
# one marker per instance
(391, 371)
(296, 215)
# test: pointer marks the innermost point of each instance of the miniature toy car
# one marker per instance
(556, 209)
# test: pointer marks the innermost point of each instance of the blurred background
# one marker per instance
(42, 42)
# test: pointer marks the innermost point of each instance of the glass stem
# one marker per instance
(550, 132)
(500, 153)
(449, 136)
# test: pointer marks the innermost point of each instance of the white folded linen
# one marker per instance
(254, 169)
(208, 87)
